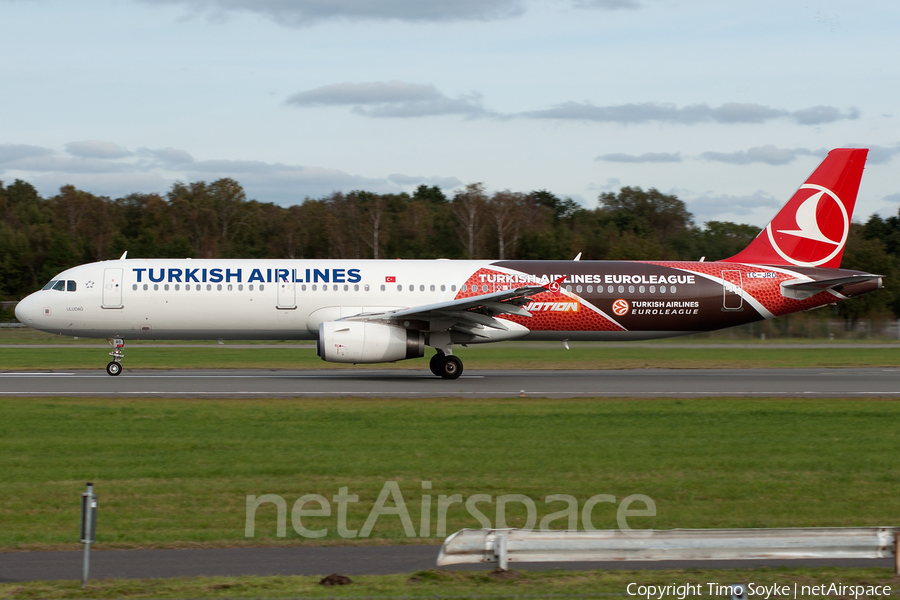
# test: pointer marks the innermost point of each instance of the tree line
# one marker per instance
(40, 236)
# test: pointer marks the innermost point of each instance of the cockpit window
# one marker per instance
(70, 286)
(49, 285)
(60, 285)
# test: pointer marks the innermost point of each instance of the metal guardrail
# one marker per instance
(503, 546)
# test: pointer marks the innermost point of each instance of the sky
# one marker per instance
(728, 105)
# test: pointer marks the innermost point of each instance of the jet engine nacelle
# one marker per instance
(364, 342)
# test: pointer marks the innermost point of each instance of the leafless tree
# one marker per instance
(467, 209)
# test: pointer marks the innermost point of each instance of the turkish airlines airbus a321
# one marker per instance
(370, 311)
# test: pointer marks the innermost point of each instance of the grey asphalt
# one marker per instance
(370, 560)
(857, 383)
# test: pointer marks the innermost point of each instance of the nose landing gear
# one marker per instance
(115, 366)
(446, 366)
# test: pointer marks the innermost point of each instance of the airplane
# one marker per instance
(372, 311)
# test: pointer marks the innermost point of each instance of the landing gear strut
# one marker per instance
(115, 367)
(446, 366)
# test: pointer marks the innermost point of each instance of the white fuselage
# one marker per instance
(168, 299)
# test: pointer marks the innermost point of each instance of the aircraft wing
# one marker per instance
(802, 289)
(469, 315)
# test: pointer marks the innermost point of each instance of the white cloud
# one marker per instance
(878, 155)
(647, 112)
(373, 92)
(445, 183)
(154, 170)
(768, 154)
(647, 157)
(708, 206)
(11, 153)
(96, 149)
(606, 4)
(302, 13)
(395, 99)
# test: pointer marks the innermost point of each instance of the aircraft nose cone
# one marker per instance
(25, 310)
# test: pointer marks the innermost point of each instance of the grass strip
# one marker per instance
(436, 584)
(498, 356)
(177, 473)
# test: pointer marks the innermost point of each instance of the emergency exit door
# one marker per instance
(112, 288)
(287, 295)
(732, 298)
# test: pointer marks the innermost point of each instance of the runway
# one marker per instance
(637, 383)
(370, 560)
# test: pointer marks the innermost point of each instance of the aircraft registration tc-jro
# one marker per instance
(370, 311)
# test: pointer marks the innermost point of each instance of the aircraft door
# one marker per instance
(112, 288)
(287, 295)
(732, 298)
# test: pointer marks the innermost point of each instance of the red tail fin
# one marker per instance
(811, 229)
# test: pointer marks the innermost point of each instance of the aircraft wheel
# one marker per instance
(451, 367)
(435, 364)
(114, 368)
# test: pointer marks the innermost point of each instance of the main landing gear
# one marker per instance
(115, 367)
(446, 366)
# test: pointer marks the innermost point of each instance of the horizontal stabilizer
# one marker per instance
(801, 289)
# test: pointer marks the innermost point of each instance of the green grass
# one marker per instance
(495, 356)
(451, 584)
(176, 473)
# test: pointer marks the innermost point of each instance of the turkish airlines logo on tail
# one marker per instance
(816, 231)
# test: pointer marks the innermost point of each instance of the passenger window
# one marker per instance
(250, 287)
(412, 288)
(590, 289)
(422, 288)
(432, 288)
(208, 287)
(609, 289)
(219, 287)
(60, 285)
(399, 288)
(630, 289)
(155, 287)
(145, 287)
(49, 285)
(382, 287)
(134, 287)
(641, 289)
(484, 288)
(347, 287)
(303, 288)
(166, 287)
(672, 289)
(356, 287)
(578, 288)
(240, 287)
(443, 288)
(652, 289)
(230, 287)
(177, 287)
(70, 286)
